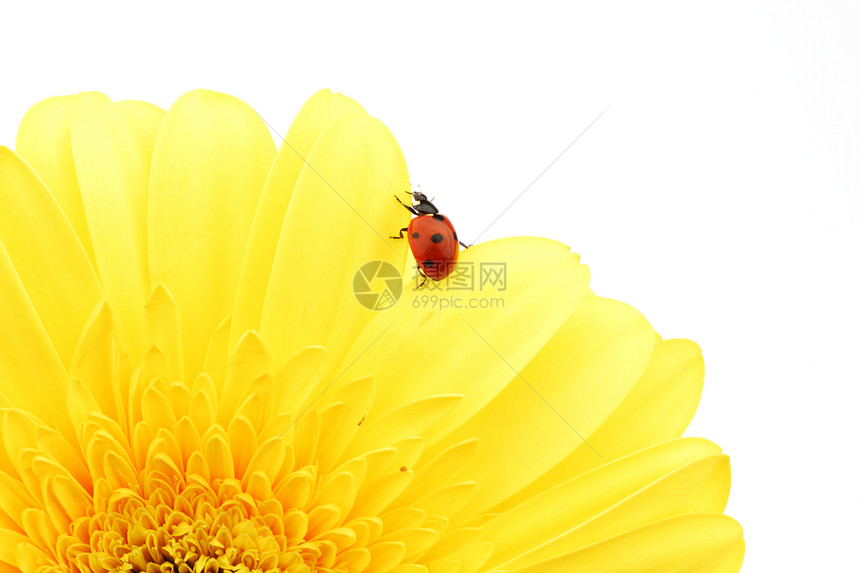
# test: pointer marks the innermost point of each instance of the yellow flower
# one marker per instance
(188, 382)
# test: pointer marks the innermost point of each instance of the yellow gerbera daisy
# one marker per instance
(188, 382)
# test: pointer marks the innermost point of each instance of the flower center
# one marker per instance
(194, 526)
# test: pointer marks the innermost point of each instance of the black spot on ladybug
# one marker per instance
(415, 235)
(436, 238)
(455, 236)
(438, 217)
(429, 263)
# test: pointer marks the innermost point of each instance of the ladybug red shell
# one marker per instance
(432, 238)
(433, 241)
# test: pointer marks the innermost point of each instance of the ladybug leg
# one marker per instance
(421, 272)
(464, 245)
(408, 207)
(400, 236)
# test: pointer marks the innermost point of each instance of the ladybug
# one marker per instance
(432, 238)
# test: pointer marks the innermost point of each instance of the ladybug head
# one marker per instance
(419, 196)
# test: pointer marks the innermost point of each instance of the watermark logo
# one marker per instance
(467, 277)
(377, 285)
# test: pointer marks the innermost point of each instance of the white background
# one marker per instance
(718, 194)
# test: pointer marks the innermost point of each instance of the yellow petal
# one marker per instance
(156, 409)
(164, 328)
(556, 510)
(187, 436)
(202, 410)
(28, 359)
(699, 487)
(402, 518)
(30, 558)
(570, 387)
(356, 396)
(208, 167)
(15, 499)
(322, 518)
(8, 541)
(658, 408)
(443, 469)
(385, 556)
(295, 490)
(258, 485)
(215, 364)
(410, 567)
(243, 443)
(249, 360)
(44, 141)
(71, 496)
(339, 492)
(339, 217)
(306, 439)
(154, 366)
(197, 465)
(692, 543)
(81, 404)
(379, 494)
(417, 540)
(357, 560)
(449, 500)
(410, 419)
(94, 363)
(112, 146)
(261, 389)
(298, 379)
(39, 528)
(481, 347)
(443, 566)
(142, 116)
(218, 456)
(321, 110)
(469, 556)
(58, 277)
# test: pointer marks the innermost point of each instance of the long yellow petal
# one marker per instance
(568, 389)
(112, 145)
(163, 328)
(443, 469)
(692, 543)
(208, 168)
(28, 359)
(577, 500)
(44, 141)
(248, 361)
(418, 349)
(320, 111)
(699, 487)
(94, 363)
(657, 409)
(55, 271)
(8, 541)
(410, 419)
(339, 218)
